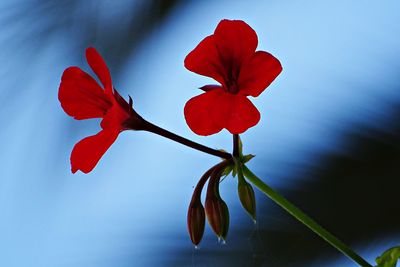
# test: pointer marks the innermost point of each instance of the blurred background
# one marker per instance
(328, 140)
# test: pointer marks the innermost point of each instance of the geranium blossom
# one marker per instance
(82, 97)
(229, 56)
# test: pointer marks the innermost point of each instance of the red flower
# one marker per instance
(82, 97)
(229, 57)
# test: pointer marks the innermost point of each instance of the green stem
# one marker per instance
(302, 217)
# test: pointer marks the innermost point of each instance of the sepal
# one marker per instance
(247, 158)
(209, 87)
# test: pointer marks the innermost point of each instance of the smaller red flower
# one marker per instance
(82, 97)
(229, 56)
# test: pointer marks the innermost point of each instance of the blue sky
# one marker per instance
(340, 62)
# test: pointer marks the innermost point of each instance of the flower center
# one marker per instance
(232, 77)
(232, 86)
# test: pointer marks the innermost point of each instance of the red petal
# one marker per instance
(205, 60)
(257, 73)
(235, 113)
(80, 95)
(236, 41)
(198, 113)
(87, 152)
(99, 66)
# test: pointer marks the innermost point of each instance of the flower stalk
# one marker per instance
(236, 146)
(184, 141)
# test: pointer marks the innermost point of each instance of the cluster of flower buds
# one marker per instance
(216, 209)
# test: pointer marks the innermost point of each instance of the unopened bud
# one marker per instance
(196, 220)
(216, 209)
(217, 215)
(247, 198)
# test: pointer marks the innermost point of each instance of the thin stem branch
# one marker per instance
(302, 217)
(235, 152)
(167, 134)
(199, 187)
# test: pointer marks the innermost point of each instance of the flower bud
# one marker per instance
(196, 215)
(196, 220)
(217, 215)
(216, 209)
(247, 198)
